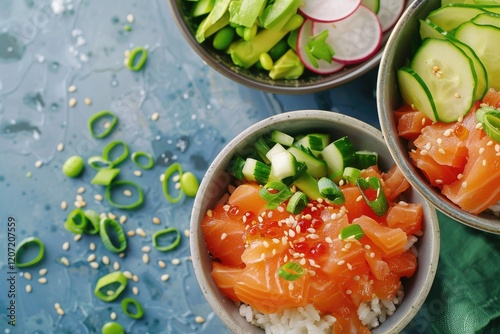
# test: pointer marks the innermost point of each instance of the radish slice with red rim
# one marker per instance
(303, 37)
(328, 10)
(355, 38)
(389, 13)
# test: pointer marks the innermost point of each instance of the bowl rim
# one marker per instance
(483, 222)
(306, 88)
(206, 284)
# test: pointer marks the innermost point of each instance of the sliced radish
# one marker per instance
(389, 13)
(355, 38)
(303, 38)
(328, 10)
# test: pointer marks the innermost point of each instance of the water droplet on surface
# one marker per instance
(54, 66)
(10, 48)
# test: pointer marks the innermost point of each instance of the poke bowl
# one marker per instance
(237, 268)
(310, 53)
(444, 135)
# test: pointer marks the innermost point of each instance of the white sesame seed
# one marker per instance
(127, 274)
(137, 173)
(459, 176)
(447, 133)
(146, 249)
(38, 163)
(348, 292)
(94, 265)
(165, 277)
(367, 246)
(464, 184)
(490, 143)
(156, 220)
(88, 101)
(140, 232)
(65, 246)
(155, 116)
(92, 246)
(457, 95)
(60, 311)
(438, 181)
(135, 290)
(162, 264)
(98, 197)
(79, 198)
(130, 18)
(28, 288)
(135, 278)
(372, 255)
(187, 233)
(72, 102)
(27, 276)
(423, 152)
(116, 265)
(358, 199)
(162, 177)
(60, 147)
(131, 233)
(105, 260)
(176, 261)
(223, 236)
(484, 162)
(123, 219)
(64, 260)
(64, 205)
(42, 280)
(341, 262)
(199, 320)
(113, 315)
(329, 240)
(127, 193)
(441, 150)
(72, 89)
(91, 257)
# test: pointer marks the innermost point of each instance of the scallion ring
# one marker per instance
(172, 245)
(106, 152)
(275, 193)
(94, 221)
(120, 243)
(173, 168)
(23, 247)
(136, 64)
(108, 127)
(105, 176)
(372, 192)
(491, 126)
(329, 190)
(109, 287)
(291, 271)
(76, 221)
(134, 205)
(136, 156)
(139, 311)
(98, 162)
(297, 203)
(353, 230)
(351, 174)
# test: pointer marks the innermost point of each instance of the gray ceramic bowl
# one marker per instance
(309, 83)
(214, 185)
(402, 40)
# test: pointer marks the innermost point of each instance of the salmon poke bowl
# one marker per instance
(439, 106)
(303, 223)
(288, 46)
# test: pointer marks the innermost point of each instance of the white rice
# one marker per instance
(495, 209)
(308, 320)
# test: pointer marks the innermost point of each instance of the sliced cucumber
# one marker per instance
(429, 29)
(315, 166)
(451, 16)
(281, 138)
(483, 39)
(490, 19)
(308, 185)
(415, 92)
(255, 170)
(365, 159)
(338, 155)
(449, 75)
(276, 149)
(283, 165)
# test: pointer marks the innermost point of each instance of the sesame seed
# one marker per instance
(88, 101)
(113, 315)
(156, 220)
(94, 265)
(367, 246)
(162, 177)
(65, 246)
(116, 265)
(72, 89)
(28, 288)
(199, 320)
(423, 152)
(329, 240)
(447, 133)
(348, 245)
(280, 209)
(312, 236)
(441, 150)
(427, 146)
(162, 264)
(135, 290)
(356, 278)
(27, 276)
(38, 163)
(459, 176)
(137, 173)
(42, 280)
(460, 119)
(123, 219)
(484, 162)
(98, 197)
(131, 233)
(92, 246)
(187, 233)
(64, 205)
(464, 184)
(64, 261)
(60, 311)
(359, 198)
(175, 261)
(72, 102)
(302, 261)
(60, 147)
(348, 292)
(127, 193)
(341, 262)
(165, 277)
(291, 233)
(438, 181)
(490, 143)
(266, 244)
(155, 116)
(105, 260)
(91, 257)
(457, 95)
(423, 121)
(372, 255)
(497, 147)
(223, 236)
(140, 232)
(478, 126)
(146, 249)
(79, 198)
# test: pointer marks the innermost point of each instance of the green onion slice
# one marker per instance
(328, 189)
(172, 245)
(98, 162)
(134, 205)
(110, 286)
(351, 174)
(136, 156)
(105, 176)
(275, 193)
(136, 64)
(23, 247)
(173, 168)
(94, 220)
(372, 192)
(111, 225)
(139, 311)
(76, 222)
(353, 230)
(297, 203)
(106, 152)
(291, 271)
(95, 120)
(491, 126)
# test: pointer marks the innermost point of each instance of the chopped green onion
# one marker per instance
(105, 176)
(379, 204)
(275, 193)
(23, 247)
(235, 167)
(136, 156)
(94, 219)
(491, 126)
(94, 119)
(76, 221)
(297, 203)
(136, 64)
(189, 184)
(139, 311)
(140, 194)
(262, 148)
(73, 166)
(353, 230)
(173, 168)
(351, 174)
(112, 328)
(108, 224)
(172, 245)
(328, 189)
(106, 152)
(109, 286)
(291, 271)
(98, 162)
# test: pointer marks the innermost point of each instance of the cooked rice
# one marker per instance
(495, 209)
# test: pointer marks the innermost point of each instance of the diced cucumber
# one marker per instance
(308, 185)
(449, 75)
(365, 159)
(451, 16)
(316, 142)
(262, 148)
(415, 92)
(338, 155)
(235, 167)
(283, 165)
(483, 39)
(255, 170)
(316, 167)
(281, 138)
(276, 149)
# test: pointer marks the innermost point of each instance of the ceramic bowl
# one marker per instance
(308, 83)
(399, 46)
(214, 185)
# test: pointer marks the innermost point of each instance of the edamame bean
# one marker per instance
(266, 61)
(279, 49)
(249, 33)
(294, 22)
(240, 30)
(189, 184)
(112, 328)
(223, 38)
(73, 166)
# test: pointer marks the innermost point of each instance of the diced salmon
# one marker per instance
(394, 183)
(411, 123)
(246, 197)
(437, 174)
(407, 216)
(403, 265)
(390, 240)
(225, 277)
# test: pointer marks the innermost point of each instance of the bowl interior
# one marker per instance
(403, 42)
(214, 185)
(309, 83)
